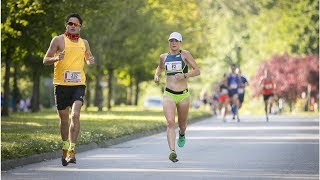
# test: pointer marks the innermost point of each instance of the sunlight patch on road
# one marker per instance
(112, 156)
(282, 137)
(223, 128)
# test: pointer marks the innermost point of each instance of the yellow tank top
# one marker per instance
(69, 71)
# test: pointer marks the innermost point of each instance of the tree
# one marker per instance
(260, 29)
(13, 24)
(126, 37)
(291, 74)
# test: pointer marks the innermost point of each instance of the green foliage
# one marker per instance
(260, 29)
(14, 14)
(127, 37)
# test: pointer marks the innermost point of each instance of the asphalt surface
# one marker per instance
(287, 147)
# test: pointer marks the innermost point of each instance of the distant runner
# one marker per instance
(223, 98)
(243, 84)
(267, 86)
(233, 86)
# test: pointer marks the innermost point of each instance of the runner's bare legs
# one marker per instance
(64, 123)
(183, 110)
(75, 121)
(169, 113)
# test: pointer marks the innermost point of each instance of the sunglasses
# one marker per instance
(73, 24)
(173, 40)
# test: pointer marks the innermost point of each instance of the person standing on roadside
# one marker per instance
(267, 85)
(175, 63)
(68, 52)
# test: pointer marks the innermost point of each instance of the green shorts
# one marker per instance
(176, 96)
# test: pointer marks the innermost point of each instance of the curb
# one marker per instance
(13, 163)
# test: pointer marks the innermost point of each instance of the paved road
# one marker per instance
(285, 148)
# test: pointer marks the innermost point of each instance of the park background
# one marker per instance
(127, 36)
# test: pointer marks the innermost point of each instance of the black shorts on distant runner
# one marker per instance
(267, 96)
(66, 95)
(241, 98)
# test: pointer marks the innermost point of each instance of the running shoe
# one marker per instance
(63, 157)
(71, 158)
(182, 140)
(267, 118)
(173, 156)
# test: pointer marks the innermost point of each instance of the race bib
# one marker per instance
(234, 86)
(268, 86)
(240, 90)
(173, 66)
(72, 76)
(224, 91)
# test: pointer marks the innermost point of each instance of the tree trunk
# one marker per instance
(129, 92)
(35, 99)
(110, 72)
(88, 94)
(98, 97)
(290, 105)
(6, 86)
(238, 54)
(137, 91)
(16, 96)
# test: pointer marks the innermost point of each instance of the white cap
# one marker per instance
(175, 35)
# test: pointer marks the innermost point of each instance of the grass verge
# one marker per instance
(25, 134)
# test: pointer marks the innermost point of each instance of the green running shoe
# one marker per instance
(182, 140)
(173, 156)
